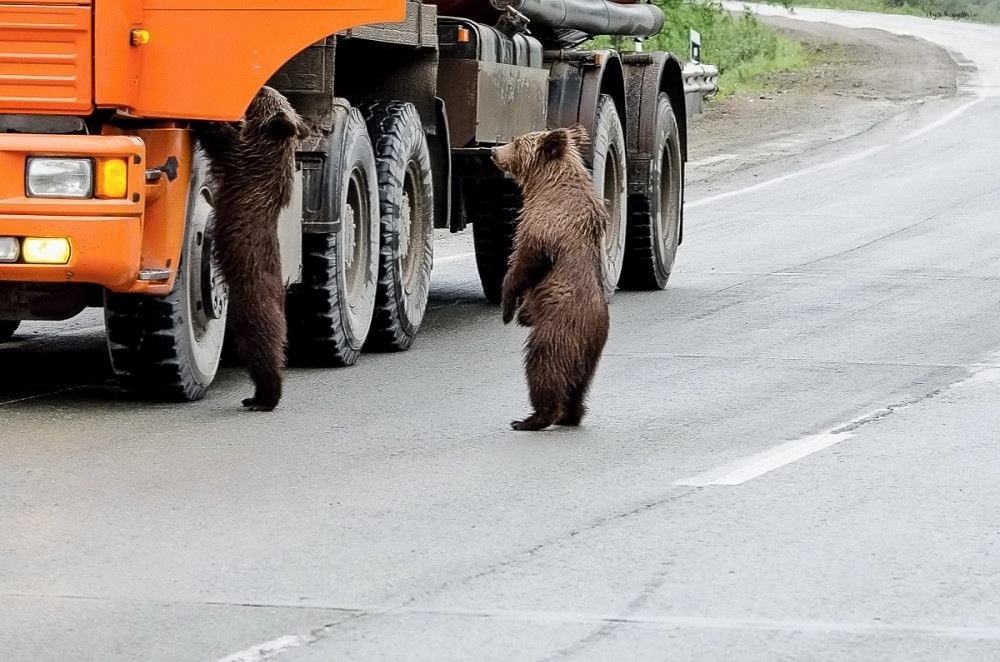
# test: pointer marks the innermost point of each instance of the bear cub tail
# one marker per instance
(554, 280)
(251, 168)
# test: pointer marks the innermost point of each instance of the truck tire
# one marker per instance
(610, 182)
(330, 312)
(169, 347)
(406, 206)
(655, 214)
(493, 207)
(7, 329)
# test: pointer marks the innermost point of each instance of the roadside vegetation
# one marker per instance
(744, 49)
(983, 11)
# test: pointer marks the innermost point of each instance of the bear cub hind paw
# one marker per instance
(530, 424)
(573, 416)
(260, 404)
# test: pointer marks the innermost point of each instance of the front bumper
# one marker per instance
(112, 242)
(104, 250)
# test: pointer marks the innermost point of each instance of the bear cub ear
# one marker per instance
(283, 126)
(554, 144)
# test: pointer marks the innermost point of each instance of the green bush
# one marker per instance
(743, 48)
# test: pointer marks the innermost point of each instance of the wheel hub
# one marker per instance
(665, 173)
(356, 235)
(405, 225)
(612, 200)
(350, 235)
(196, 266)
(214, 292)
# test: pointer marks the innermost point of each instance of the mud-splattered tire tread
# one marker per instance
(639, 270)
(318, 309)
(608, 135)
(398, 139)
(318, 337)
(645, 268)
(494, 208)
(146, 337)
(7, 329)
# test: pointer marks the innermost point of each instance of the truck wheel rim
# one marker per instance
(411, 231)
(213, 295)
(667, 210)
(614, 240)
(198, 264)
(356, 244)
(207, 309)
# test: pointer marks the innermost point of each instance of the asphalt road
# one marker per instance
(792, 452)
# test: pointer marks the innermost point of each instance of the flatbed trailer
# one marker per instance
(105, 201)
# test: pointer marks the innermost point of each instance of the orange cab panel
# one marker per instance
(167, 204)
(46, 57)
(205, 59)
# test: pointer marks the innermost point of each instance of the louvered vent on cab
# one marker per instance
(45, 58)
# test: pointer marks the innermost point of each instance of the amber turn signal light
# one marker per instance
(112, 179)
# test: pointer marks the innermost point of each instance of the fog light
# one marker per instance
(112, 179)
(46, 250)
(59, 178)
(10, 248)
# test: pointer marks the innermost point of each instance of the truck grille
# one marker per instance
(45, 59)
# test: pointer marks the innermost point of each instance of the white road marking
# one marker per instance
(941, 121)
(774, 458)
(850, 158)
(454, 258)
(754, 466)
(269, 649)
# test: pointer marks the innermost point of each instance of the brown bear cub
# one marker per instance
(251, 168)
(554, 280)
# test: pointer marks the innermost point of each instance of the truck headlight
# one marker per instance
(59, 178)
(10, 248)
(46, 250)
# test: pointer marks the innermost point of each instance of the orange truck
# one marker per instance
(104, 200)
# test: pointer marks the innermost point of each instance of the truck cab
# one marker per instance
(104, 200)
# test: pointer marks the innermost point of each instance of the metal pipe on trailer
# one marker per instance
(594, 17)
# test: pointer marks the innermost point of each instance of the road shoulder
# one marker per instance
(858, 80)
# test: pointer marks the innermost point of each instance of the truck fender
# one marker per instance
(576, 82)
(647, 75)
(439, 143)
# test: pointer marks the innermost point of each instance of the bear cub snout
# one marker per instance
(554, 280)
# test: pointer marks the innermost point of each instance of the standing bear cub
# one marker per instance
(251, 168)
(554, 279)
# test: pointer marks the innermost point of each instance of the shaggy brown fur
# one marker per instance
(252, 165)
(554, 280)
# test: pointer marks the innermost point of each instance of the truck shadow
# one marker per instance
(45, 360)
(41, 363)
